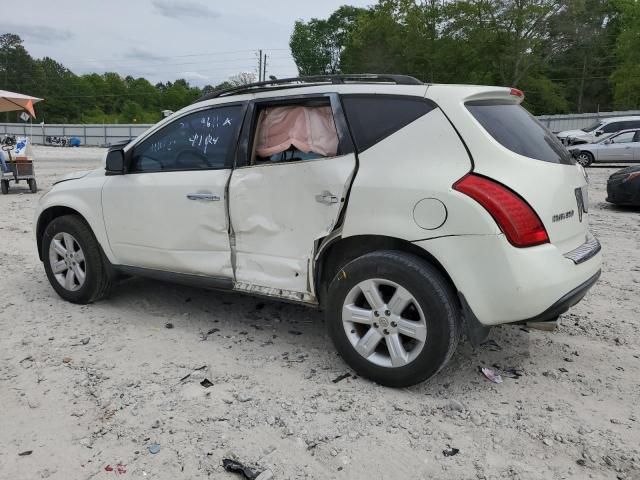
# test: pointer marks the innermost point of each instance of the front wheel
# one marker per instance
(585, 158)
(393, 318)
(33, 186)
(73, 261)
(5, 186)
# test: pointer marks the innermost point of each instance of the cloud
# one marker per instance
(136, 53)
(192, 76)
(183, 9)
(38, 33)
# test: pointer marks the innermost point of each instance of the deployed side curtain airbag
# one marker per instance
(308, 129)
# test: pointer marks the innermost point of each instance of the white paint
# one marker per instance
(430, 213)
(276, 218)
(152, 224)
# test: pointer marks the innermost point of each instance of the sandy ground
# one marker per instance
(85, 388)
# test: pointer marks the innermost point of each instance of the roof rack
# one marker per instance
(313, 79)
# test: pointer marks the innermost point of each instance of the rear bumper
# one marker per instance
(503, 284)
(565, 303)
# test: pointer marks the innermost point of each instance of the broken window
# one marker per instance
(294, 133)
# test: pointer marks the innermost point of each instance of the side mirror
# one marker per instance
(599, 132)
(115, 162)
(608, 142)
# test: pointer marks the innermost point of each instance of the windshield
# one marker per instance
(517, 130)
(593, 127)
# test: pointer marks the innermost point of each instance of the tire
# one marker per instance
(432, 316)
(33, 186)
(585, 158)
(5, 186)
(71, 234)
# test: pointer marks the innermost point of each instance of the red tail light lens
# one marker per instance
(520, 224)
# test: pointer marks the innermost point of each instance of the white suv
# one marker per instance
(606, 126)
(410, 213)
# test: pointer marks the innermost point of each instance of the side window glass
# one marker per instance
(612, 127)
(626, 137)
(290, 133)
(374, 117)
(203, 140)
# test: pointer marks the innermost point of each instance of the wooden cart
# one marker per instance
(20, 168)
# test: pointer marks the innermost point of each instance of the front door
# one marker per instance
(620, 149)
(299, 166)
(169, 211)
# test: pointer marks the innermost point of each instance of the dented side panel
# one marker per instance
(276, 219)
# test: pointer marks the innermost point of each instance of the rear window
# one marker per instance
(373, 118)
(517, 130)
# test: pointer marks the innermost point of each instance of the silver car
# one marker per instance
(619, 147)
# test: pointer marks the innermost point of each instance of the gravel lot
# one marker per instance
(86, 388)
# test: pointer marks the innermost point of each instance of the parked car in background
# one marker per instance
(618, 147)
(408, 212)
(597, 129)
(623, 187)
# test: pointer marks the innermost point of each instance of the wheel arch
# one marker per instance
(343, 250)
(50, 214)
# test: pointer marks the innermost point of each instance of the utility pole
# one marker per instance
(264, 68)
(260, 66)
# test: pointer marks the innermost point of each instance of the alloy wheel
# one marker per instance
(384, 323)
(67, 261)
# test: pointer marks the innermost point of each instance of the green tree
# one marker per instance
(317, 45)
(626, 77)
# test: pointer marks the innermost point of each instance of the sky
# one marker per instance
(203, 41)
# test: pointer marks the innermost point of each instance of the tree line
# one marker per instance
(91, 98)
(567, 55)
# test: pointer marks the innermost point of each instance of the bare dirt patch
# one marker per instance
(90, 390)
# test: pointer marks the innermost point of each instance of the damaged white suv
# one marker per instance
(410, 213)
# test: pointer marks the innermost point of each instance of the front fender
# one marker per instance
(83, 196)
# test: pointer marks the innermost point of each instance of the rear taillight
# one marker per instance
(520, 224)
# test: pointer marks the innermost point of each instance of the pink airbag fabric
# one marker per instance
(309, 129)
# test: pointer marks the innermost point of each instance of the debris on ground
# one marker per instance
(154, 448)
(341, 377)
(211, 331)
(491, 375)
(295, 332)
(206, 383)
(510, 372)
(450, 451)
(119, 469)
(491, 345)
(168, 325)
(234, 466)
(25, 453)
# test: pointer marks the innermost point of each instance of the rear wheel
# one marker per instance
(585, 158)
(33, 186)
(5, 186)
(73, 261)
(393, 318)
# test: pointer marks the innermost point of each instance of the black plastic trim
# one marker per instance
(311, 80)
(564, 303)
(200, 281)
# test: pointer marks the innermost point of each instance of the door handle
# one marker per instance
(204, 197)
(327, 198)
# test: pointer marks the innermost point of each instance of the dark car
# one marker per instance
(623, 187)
